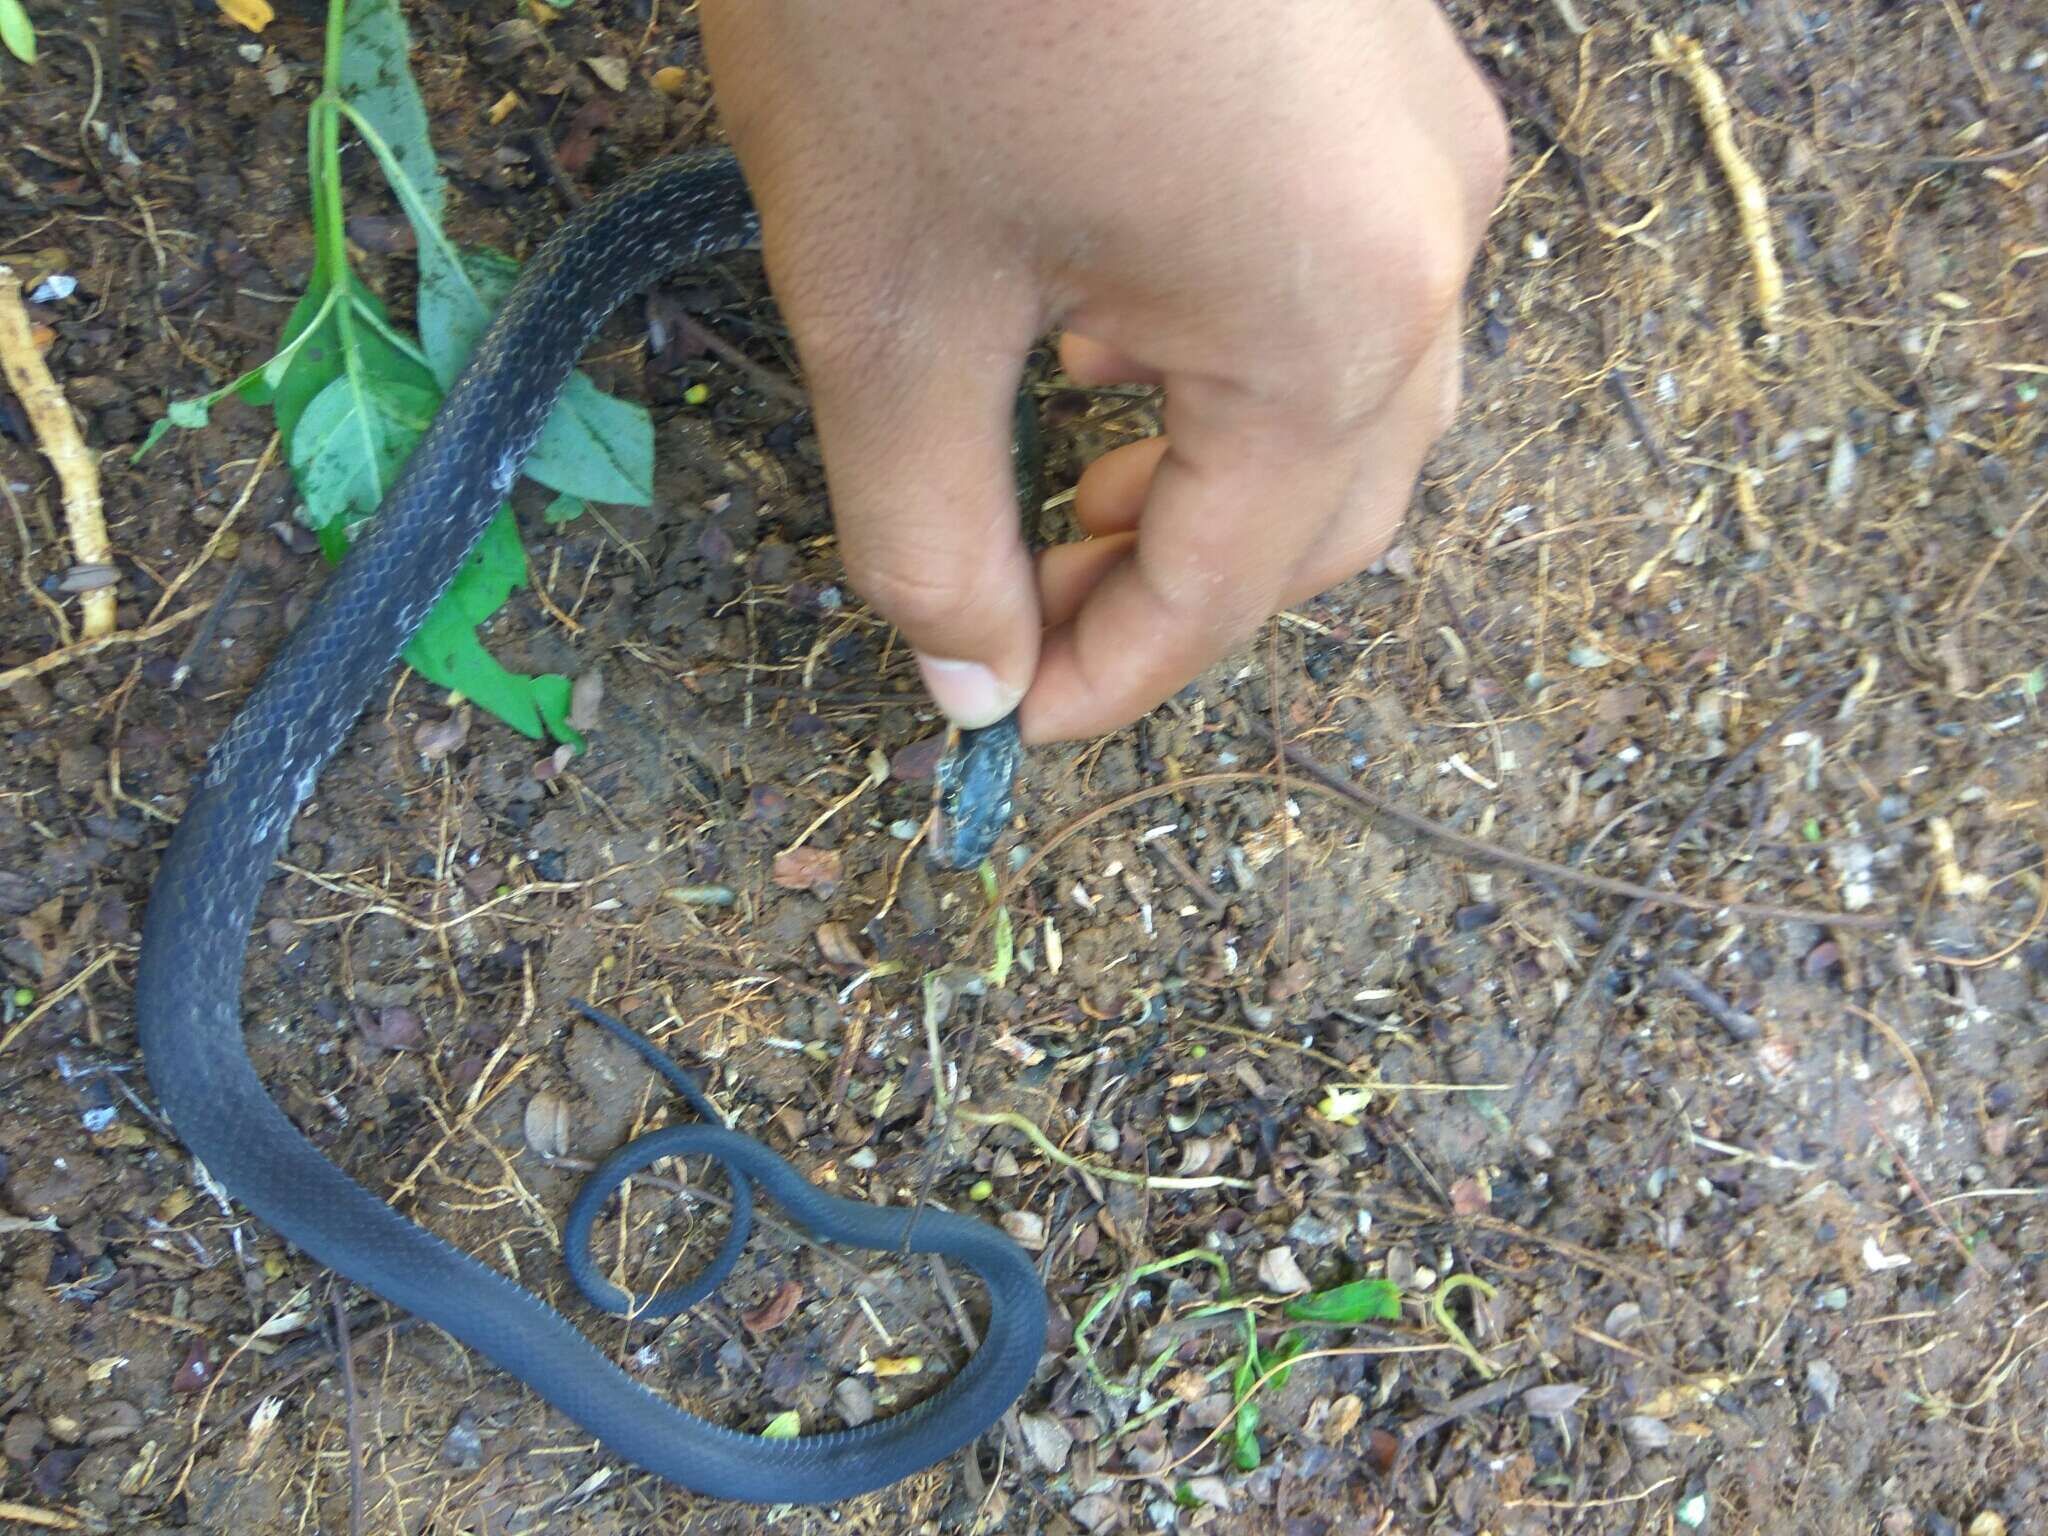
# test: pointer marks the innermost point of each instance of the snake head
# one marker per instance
(976, 780)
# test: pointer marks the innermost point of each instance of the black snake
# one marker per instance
(201, 909)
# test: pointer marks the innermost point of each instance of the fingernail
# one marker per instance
(969, 693)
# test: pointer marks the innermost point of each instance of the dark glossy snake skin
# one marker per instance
(189, 982)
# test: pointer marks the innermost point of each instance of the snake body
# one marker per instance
(201, 909)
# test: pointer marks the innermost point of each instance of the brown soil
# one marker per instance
(1763, 1201)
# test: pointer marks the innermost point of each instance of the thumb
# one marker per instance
(916, 445)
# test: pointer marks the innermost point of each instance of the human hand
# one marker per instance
(1268, 209)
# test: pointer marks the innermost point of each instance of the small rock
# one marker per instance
(393, 1029)
(24, 1438)
(856, 1404)
(1824, 1382)
(464, 1444)
(548, 1124)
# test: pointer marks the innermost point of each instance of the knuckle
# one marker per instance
(922, 596)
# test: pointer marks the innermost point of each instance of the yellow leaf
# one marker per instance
(672, 82)
(896, 1365)
(254, 15)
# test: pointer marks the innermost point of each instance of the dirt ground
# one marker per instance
(1757, 1173)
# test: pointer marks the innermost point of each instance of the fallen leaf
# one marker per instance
(437, 738)
(884, 1366)
(784, 1426)
(1047, 1438)
(839, 947)
(776, 1310)
(196, 1374)
(672, 82)
(1343, 1418)
(919, 761)
(1279, 1273)
(809, 869)
(253, 15)
(1471, 1196)
(1097, 1512)
(262, 1423)
(1026, 1228)
(1554, 1400)
(1651, 1434)
(44, 930)
(586, 697)
(1877, 1261)
(611, 69)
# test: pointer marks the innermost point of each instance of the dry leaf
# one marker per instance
(437, 738)
(1198, 1155)
(1470, 1196)
(1049, 1442)
(1651, 1434)
(1345, 1413)
(776, 1310)
(255, 15)
(611, 69)
(1279, 1273)
(586, 697)
(1555, 1400)
(839, 947)
(261, 1424)
(809, 869)
(1026, 1228)
(44, 930)
(895, 1365)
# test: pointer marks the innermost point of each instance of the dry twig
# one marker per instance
(56, 429)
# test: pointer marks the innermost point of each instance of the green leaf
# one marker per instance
(593, 445)
(448, 652)
(1245, 1426)
(190, 414)
(564, 509)
(17, 31)
(494, 568)
(459, 292)
(351, 442)
(784, 1426)
(1291, 1344)
(1357, 1302)
(596, 447)
(375, 78)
